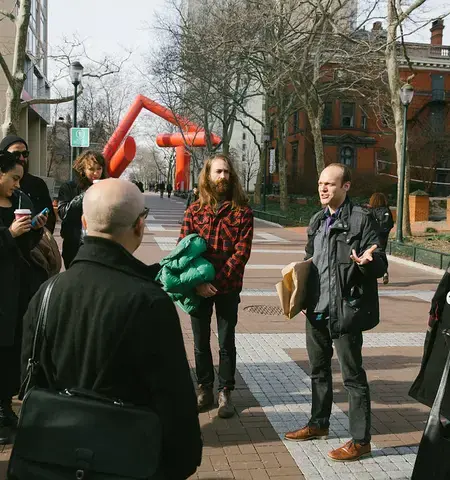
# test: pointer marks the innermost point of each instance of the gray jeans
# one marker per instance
(348, 348)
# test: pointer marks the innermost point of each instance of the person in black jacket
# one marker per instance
(33, 186)
(436, 350)
(107, 310)
(20, 280)
(88, 167)
(343, 302)
(383, 215)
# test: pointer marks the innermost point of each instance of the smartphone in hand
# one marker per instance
(45, 212)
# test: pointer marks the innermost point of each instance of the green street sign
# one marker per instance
(79, 137)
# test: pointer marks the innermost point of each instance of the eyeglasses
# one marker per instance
(24, 154)
(143, 214)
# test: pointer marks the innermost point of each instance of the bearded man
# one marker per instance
(223, 218)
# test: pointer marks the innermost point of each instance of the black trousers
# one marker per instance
(227, 315)
(320, 352)
(10, 358)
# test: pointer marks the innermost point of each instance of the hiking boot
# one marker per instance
(385, 278)
(350, 451)
(307, 433)
(226, 408)
(205, 398)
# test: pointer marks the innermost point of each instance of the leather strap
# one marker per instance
(39, 333)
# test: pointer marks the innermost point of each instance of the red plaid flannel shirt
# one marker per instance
(228, 234)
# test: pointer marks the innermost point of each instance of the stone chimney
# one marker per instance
(437, 31)
(377, 27)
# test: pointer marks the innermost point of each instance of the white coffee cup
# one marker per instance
(22, 212)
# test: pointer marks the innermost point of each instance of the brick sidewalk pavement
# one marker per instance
(273, 391)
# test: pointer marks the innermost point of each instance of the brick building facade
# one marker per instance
(353, 134)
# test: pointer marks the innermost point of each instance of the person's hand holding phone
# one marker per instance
(39, 221)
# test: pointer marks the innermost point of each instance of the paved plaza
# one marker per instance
(273, 392)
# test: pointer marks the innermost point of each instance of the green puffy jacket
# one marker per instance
(185, 268)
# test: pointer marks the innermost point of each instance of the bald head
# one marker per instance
(112, 206)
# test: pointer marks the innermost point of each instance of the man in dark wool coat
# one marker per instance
(107, 310)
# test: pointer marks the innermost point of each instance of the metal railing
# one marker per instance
(272, 217)
(418, 254)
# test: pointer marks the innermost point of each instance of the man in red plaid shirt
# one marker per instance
(223, 218)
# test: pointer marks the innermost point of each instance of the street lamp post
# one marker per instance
(406, 96)
(76, 73)
(266, 140)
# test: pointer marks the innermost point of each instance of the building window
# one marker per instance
(295, 121)
(348, 156)
(363, 119)
(347, 115)
(327, 120)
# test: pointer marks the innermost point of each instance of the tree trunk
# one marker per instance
(257, 200)
(282, 135)
(16, 77)
(12, 112)
(397, 109)
(316, 130)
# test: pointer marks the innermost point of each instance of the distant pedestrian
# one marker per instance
(383, 215)
(223, 218)
(343, 302)
(111, 329)
(88, 167)
(169, 189)
(192, 196)
(162, 187)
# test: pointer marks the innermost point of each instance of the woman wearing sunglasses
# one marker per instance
(88, 167)
(33, 186)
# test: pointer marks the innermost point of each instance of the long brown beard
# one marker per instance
(220, 188)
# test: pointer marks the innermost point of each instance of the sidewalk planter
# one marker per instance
(419, 206)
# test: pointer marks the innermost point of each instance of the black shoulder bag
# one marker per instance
(78, 434)
(434, 451)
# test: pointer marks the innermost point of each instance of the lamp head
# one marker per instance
(406, 94)
(76, 72)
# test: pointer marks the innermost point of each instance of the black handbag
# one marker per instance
(432, 460)
(78, 434)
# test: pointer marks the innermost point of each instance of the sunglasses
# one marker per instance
(143, 214)
(24, 154)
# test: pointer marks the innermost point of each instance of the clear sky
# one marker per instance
(105, 25)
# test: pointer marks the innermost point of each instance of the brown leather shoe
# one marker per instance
(350, 451)
(205, 398)
(226, 408)
(306, 433)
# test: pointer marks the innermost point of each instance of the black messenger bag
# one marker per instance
(78, 434)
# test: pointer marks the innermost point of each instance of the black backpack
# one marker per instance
(384, 218)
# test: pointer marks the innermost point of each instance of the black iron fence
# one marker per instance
(418, 254)
(272, 217)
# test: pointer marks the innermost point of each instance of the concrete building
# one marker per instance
(34, 120)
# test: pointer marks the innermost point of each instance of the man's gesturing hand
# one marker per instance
(365, 258)
(206, 290)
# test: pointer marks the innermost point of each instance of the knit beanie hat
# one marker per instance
(10, 140)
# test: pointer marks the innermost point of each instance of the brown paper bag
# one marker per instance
(292, 289)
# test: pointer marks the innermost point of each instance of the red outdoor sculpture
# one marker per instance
(119, 155)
